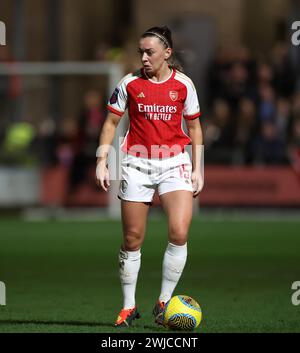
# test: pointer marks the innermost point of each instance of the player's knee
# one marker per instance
(132, 240)
(178, 235)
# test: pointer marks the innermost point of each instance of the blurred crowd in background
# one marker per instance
(253, 114)
(250, 114)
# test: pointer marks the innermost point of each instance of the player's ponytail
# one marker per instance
(165, 36)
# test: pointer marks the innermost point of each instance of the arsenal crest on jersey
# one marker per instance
(173, 95)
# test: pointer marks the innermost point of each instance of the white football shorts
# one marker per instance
(140, 177)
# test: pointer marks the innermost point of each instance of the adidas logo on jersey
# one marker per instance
(141, 95)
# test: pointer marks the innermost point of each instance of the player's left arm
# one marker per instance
(196, 136)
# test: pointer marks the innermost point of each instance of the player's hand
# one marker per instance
(197, 182)
(102, 175)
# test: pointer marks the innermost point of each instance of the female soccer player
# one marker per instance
(157, 97)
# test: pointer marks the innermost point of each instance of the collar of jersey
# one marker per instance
(156, 82)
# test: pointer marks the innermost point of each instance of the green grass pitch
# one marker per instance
(63, 276)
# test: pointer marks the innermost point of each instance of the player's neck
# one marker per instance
(161, 75)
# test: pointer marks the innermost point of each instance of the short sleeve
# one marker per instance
(191, 109)
(117, 103)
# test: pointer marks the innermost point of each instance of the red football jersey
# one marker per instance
(156, 110)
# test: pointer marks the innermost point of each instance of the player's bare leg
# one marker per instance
(178, 206)
(134, 219)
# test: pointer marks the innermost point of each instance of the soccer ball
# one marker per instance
(182, 313)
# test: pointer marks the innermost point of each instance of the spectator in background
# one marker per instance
(231, 76)
(219, 132)
(244, 57)
(284, 77)
(294, 147)
(266, 103)
(295, 138)
(218, 75)
(237, 79)
(269, 147)
(67, 142)
(283, 118)
(296, 105)
(85, 141)
(91, 118)
(246, 128)
(237, 85)
(265, 74)
(46, 142)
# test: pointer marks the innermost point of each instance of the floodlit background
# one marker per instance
(60, 64)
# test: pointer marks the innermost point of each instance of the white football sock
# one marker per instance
(173, 265)
(129, 266)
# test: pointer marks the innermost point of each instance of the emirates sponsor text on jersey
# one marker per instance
(157, 112)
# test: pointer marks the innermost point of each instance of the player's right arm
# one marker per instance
(116, 107)
(105, 141)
